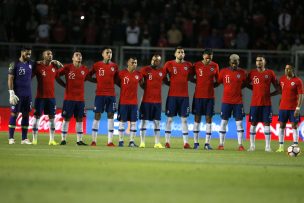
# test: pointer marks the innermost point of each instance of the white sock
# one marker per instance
(79, 130)
(281, 136)
(196, 132)
(95, 127)
(223, 128)
(142, 132)
(252, 135)
(295, 136)
(132, 131)
(157, 131)
(240, 131)
(168, 129)
(52, 129)
(208, 133)
(35, 127)
(110, 129)
(121, 130)
(267, 136)
(185, 129)
(64, 129)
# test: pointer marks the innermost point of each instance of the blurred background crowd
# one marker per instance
(228, 24)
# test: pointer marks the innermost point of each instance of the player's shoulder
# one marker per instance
(298, 79)
(212, 63)
(187, 63)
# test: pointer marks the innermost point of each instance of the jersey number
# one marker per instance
(200, 72)
(174, 71)
(227, 78)
(21, 71)
(101, 72)
(126, 80)
(71, 75)
(256, 80)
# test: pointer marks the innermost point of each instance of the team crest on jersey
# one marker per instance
(136, 77)
(238, 76)
(211, 69)
(292, 83)
(186, 68)
(30, 66)
(160, 74)
(82, 72)
(112, 68)
(53, 69)
(266, 76)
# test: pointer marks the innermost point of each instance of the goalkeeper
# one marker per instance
(19, 87)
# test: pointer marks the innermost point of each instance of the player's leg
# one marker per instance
(253, 119)
(144, 112)
(156, 117)
(98, 109)
(283, 120)
(39, 104)
(78, 114)
(183, 112)
(209, 114)
(122, 118)
(12, 122)
(294, 122)
(196, 111)
(111, 109)
(170, 113)
(25, 110)
(133, 118)
(50, 110)
(67, 112)
(225, 114)
(238, 114)
(267, 118)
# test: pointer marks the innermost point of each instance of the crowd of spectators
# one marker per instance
(230, 24)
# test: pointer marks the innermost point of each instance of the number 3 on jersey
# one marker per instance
(101, 72)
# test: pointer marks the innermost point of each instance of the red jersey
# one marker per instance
(178, 73)
(291, 88)
(74, 78)
(233, 81)
(260, 82)
(153, 80)
(206, 75)
(45, 75)
(105, 75)
(128, 86)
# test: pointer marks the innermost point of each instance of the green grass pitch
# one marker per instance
(51, 174)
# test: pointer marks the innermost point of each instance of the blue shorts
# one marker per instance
(150, 111)
(177, 106)
(105, 103)
(202, 106)
(236, 110)
(45, 105)
(288, 115)
(71, 108)
(127, 112)
(260, 114)
(24, 105)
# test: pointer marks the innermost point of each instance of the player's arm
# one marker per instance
(276, 85)
(58, 79)
(90, 78)
(57, 63)
(117, 80)
(13, 99)
(299, 104)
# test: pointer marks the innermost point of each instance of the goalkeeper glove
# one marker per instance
(13, 100)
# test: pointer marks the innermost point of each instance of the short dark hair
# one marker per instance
(208, 51)
(104, 48)
(291, 65)
(25, 48)
(132, 57)
(178, 47)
